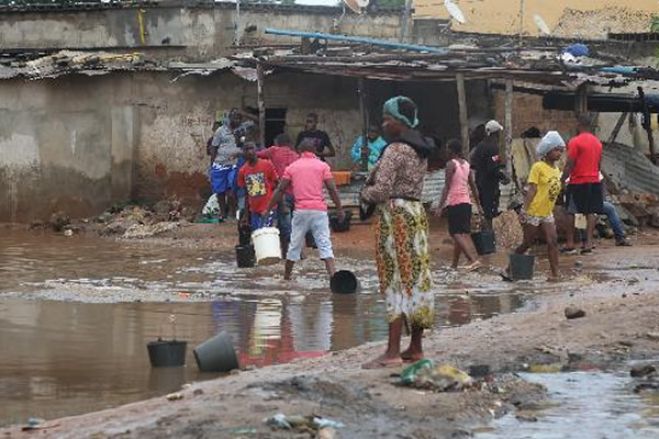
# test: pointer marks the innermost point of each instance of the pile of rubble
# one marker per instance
(638, 209)
(136, 222)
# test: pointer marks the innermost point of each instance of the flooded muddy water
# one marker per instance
(586, 405)
(76, 314)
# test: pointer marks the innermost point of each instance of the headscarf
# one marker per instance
(550, 142)
(492, 127)
(391, 108)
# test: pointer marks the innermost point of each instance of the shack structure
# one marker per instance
(82, 129)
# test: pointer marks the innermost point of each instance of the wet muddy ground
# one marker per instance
(79, 316)
(78, 312)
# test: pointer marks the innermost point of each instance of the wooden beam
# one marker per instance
(617, 128)
(581, 100)
(462, 106)
(260, 103)
(506, 147)
(363, 110)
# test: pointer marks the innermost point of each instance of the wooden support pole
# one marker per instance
(506, 148)
(462, 107)
(261, 103)
(363, 110)
(617, 128)
(647, 124)
(581, 101)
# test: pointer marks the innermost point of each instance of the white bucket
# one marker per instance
(266, 245)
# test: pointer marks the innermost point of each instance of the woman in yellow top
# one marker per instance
(544, 186)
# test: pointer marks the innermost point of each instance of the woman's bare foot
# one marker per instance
(411, 356)
(472, 267)
(382, 362)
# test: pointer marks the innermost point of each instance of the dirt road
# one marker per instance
(617, 288)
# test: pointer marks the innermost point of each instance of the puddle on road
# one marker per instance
(70, 355)
(590, 405)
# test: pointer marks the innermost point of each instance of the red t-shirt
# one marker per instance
(260, 180)
(586, 152)
(281, 157)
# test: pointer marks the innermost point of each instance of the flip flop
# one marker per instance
(506, 277)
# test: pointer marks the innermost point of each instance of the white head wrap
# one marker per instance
(492, 127)
(551, 141)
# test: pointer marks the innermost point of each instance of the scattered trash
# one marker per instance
(653, 336)
(572, 312)
(174, 396)
(577, 50)
(526, 417)
(68, 232)
(545, 368)
(646, 386)
(299, 422)
(442, 378)
(58, 221)
(479, 370)
(212, 207)
(139, 231)
(37, 424)
(327, 433)
(642, 371)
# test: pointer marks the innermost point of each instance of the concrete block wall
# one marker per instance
(205, 33)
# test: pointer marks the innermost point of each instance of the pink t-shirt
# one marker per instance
(307, 176)
(459, 190)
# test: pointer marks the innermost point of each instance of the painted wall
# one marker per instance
(569, 18)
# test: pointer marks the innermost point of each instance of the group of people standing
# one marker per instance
(396, 182)
(268, 185)
(287, 177)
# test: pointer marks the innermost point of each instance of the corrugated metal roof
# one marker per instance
(629, 169)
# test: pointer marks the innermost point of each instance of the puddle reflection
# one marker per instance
(63, 358)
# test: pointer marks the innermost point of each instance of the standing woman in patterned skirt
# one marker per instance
(402, 257)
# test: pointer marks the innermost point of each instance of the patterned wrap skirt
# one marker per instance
(403, 262)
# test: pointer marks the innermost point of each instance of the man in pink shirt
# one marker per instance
(282, 154)
(306, 177)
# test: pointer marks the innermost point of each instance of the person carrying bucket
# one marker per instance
(457, 202)
(544, 187)
(306, 177)
(259, 178)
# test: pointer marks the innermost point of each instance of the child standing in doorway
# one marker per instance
(457, 202)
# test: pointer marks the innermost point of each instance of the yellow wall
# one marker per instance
(574, 18)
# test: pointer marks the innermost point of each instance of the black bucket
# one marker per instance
(344, 282)
(340, 226)
(216, 354)
(244, 235)
(521, 266)
(484, 242)
(311, 243)
(245, 257)
(167, 353)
